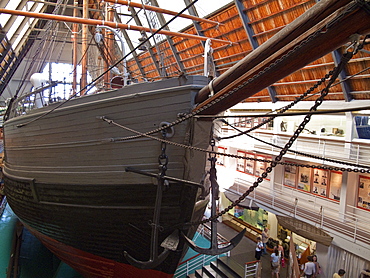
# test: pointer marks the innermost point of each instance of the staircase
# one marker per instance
(223, 267)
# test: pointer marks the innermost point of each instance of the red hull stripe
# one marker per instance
(92, 266)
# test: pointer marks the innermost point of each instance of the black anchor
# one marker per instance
(214, 250)
(154, 259)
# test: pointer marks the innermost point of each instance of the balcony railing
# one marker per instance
(331, 147)
(350, 225)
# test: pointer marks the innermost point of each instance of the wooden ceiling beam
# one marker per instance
(160, 10)
(346, 88)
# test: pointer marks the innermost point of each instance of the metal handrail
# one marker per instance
(332, 147)
(252, 269)
(197, 262)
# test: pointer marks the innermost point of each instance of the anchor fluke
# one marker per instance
(170, 243)
(214, 250)
(148, 264)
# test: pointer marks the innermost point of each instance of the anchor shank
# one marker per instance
(213, 213)
(155, 224)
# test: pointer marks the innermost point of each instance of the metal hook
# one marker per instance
(355, 42)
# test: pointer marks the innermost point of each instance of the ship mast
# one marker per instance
(85, 14)
(75, 43)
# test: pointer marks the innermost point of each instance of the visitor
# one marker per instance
(265, 238)
(340, 273)
(259, 248)
(318, 267)
(275, 263)
(309, 270)
(281, 254)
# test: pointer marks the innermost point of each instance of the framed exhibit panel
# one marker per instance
(320, 182)
(240, 165)
(221, 158)
(304, 179)
(242, 122)
(290, 175)
(249, 164)
(261, 166)
(248, 122)
(335, 185)
(364, 192)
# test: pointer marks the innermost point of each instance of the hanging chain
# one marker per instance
(345, 59)
(163, 158)
(297, 152)
(213, 172)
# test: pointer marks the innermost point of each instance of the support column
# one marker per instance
(350, 134)
(343, 196)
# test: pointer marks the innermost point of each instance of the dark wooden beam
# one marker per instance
(252, 39)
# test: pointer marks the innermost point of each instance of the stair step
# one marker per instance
(236, 269)
(198, 273)
(208, 271)
(223, 271)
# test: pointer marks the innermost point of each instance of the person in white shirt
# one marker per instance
(275, 263)
(309, 270)
(259, 248)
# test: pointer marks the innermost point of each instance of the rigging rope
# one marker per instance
(140, 134)
(92, 83)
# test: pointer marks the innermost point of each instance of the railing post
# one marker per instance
(323, 152)
(295, 207)
(258, 269)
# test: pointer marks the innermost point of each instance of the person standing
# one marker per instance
(282, 254)
(318, 268)
(275, 264)
(259, 248)
(309, 270)
(340, 273)
(265, 238)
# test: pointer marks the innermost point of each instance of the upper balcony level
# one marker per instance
(335, 198)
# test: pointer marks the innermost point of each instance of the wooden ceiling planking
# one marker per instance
(261, 96)
(267, 18)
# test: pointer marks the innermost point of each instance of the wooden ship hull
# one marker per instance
(66, 176)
